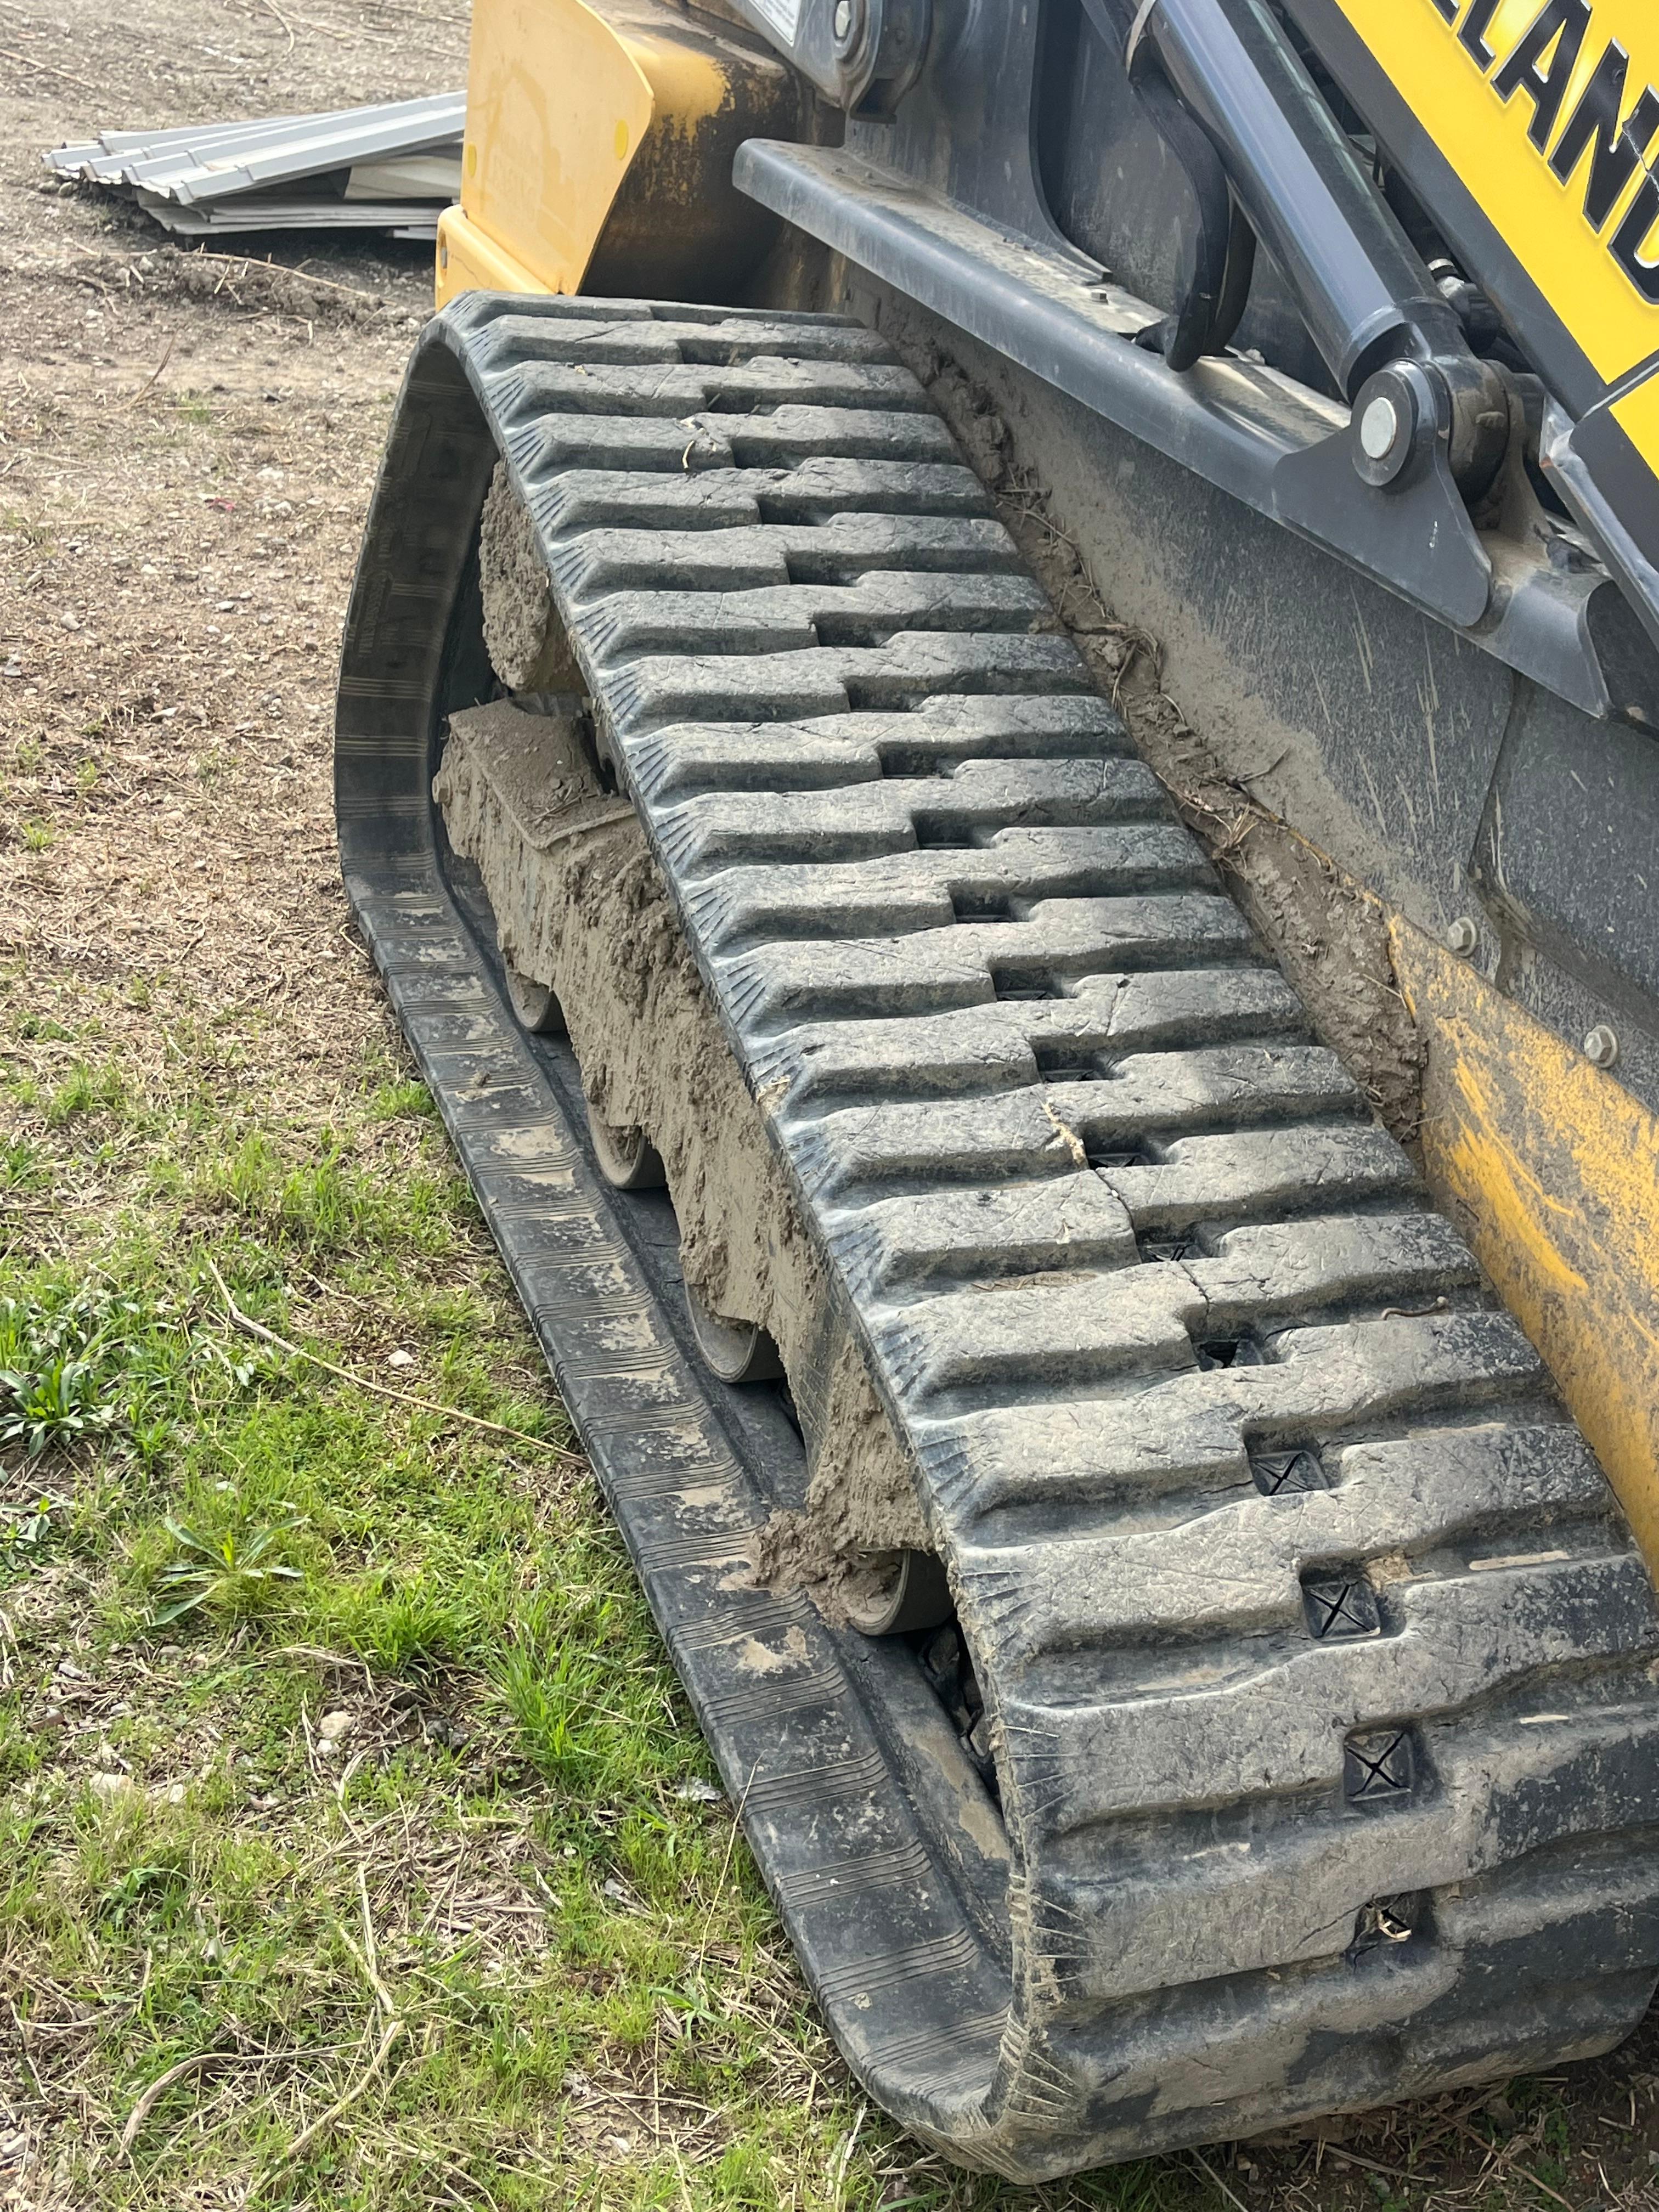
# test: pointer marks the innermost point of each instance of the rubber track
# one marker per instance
(1315, 1647)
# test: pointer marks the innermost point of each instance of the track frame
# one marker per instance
(1027, 2063)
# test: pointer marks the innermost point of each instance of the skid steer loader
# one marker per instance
(1147, 1473)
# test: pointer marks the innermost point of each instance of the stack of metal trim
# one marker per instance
(393, 167)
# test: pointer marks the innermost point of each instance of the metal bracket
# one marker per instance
(1413, 535)
(1615, 541)
(861, 54)
(1281, 448)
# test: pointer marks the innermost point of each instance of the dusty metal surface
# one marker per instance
(390, 167)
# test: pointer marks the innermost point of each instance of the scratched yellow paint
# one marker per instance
(468, 260)
(1551, 1170)
(555, 104)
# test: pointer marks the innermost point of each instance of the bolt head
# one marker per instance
(1395, 415)
(843, 18)
(1601, 1046)
(1463, 935)
(1379, 426)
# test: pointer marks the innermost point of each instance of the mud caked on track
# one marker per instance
(1312, 1651)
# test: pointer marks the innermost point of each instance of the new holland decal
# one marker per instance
(1548, 110)
(1603, 135)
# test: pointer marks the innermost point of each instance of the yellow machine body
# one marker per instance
(599, 151)
(1501, 94)
(1551, 1168)
(1514, 151)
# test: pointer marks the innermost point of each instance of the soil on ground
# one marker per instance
(186, 441)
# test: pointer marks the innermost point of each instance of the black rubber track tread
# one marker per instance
(1156, 1308)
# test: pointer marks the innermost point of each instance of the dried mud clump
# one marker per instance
(582, 907)
(526, 647)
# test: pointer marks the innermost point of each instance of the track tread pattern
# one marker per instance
(1124, 1246)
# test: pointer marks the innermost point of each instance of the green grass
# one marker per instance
(482, 1912)
(86, 1090)
(371, 1877)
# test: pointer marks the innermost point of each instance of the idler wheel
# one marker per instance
(735, 1350)
(534, 1004)
(896, 1591)
(628, 1159)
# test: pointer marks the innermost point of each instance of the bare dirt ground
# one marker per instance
(187, 448)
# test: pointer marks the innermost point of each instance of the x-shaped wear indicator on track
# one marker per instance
(1288, 1470)
(1378, 1765)
(1341, 1608)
